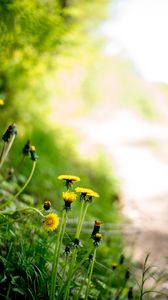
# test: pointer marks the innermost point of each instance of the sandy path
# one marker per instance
(138, 150)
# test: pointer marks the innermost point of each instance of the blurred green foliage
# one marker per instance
(37, 39)
(33, 35)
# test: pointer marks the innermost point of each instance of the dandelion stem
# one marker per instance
(2, 152)
(79, 220)
(5, 153)
(21, 190)
(22, 210)
(20, 164)
(70, 273)
(90, 274)
(84, 207)
(62, 278)
(83, 216)
(57, 254)
(27, 182)
(84, 280)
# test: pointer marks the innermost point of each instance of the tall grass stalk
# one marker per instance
(143, 279)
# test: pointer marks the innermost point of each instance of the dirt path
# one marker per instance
(138, 150)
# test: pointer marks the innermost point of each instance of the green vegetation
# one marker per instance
(42, 45)
(49, 250)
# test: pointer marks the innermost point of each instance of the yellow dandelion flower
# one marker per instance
(2, 102)
(68, 197)
(86, 193)
(51, 222)
(69, 179)
(82, 190)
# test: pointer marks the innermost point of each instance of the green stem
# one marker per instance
(84, 280)
(56, 255)
(27, 182)
(83, 216)
(22, 210)
(90, 274)
(79, 220)
(8, 213)
(21, 190)
(20, 164)
(5, 153)
(2, 152)
(15, 170)
(70, 273)
(84, 207)
(62, 278)
(82, 261)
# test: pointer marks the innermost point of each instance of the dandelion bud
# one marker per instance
(127, 274)
(11, 172)
(97, 239)
(11, 130)
(96, 228)
(122, 258)
(33, 154)
(76, 242)
(114, 266)
(47, 205)
(90, 257)
(26, 148)
(130, 293)
(67, 250)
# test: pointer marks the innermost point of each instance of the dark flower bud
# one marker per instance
(114, 266)
(76, 242)
(11, 130)
(96, 228)
(127, 274)
(121, 261)
(97, 238)
(130, 293)
(90, 256)
(11, 172)
(33, 154)
(47, 205)
(26, 148)
(67, 250)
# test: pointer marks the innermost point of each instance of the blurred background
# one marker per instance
(86, 81)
